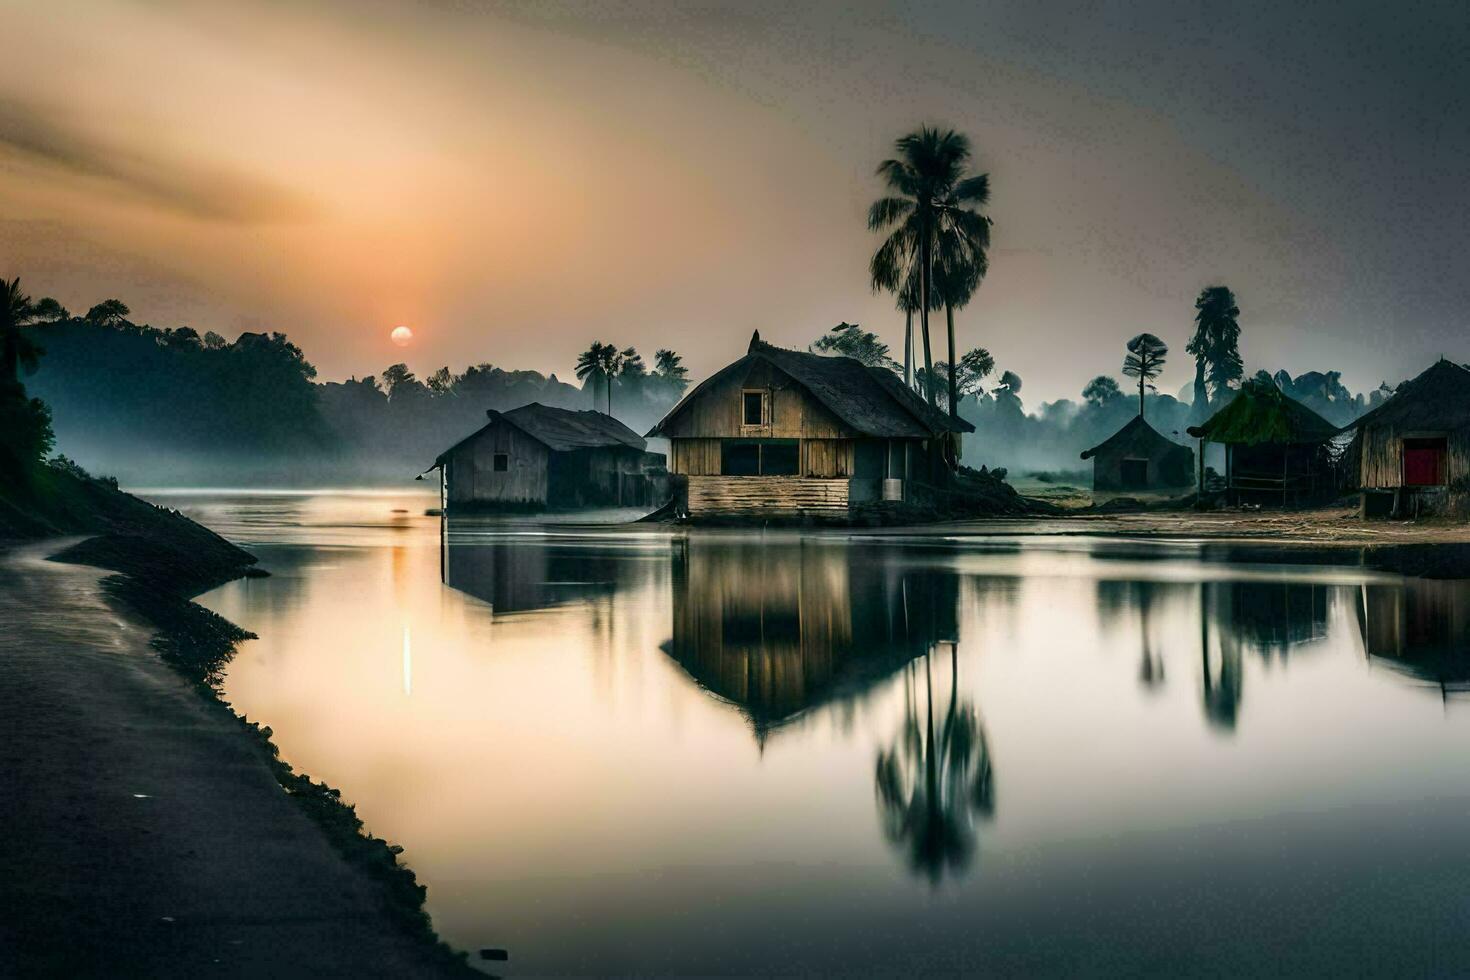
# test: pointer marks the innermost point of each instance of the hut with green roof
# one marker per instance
(1275, 447)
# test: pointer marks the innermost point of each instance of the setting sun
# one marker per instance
(402, 336)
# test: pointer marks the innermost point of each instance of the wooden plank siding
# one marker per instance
(1382, 448)
(471, 475)
(787, 496)
(790, 412)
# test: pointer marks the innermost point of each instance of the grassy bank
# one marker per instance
(163, 560)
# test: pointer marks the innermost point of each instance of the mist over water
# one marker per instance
(642, 750)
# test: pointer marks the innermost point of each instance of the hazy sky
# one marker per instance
(515, 180)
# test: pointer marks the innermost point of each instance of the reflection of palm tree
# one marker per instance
(931, 785)
(1222, 693)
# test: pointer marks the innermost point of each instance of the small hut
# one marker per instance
(791, 433)
(1413, 451)
(538, 456)
(1275, 447)
(1139, 457)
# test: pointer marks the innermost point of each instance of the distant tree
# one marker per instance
(1101, 390)
(974, 368)
(50, 311)
(442, 381)
(850, 340)
(1215, 344)
(599, 362)
(182, 338)
(398, 379)
(1267, 378)
(929, 192)
(108, 313)
(1145, 361)
(17, 352)
(669, 368)
(630, 365)
(1010, 383)
(213, 341)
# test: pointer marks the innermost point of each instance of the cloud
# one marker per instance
(196, 189)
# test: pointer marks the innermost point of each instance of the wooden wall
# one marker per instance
(715, 412)
(471, 475)
(759, 495)
(1381, 461)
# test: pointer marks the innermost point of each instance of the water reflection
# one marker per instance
(778, 627)
(575, 774)
(933, 783)
(1421, 628)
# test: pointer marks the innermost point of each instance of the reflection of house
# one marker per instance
(778, 628)
(539, 456)
(788, 432)
(1275, 447)
(1416, 445)
(526, 574)
(1422, 629)
(1138, 457)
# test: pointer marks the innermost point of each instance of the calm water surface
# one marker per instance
(639, 751)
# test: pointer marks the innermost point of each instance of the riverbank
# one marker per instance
(151, 830)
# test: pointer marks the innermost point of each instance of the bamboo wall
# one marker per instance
(1381, 459)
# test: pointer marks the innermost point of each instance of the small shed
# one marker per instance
(1139, 457)
(537, 456)
(791, 433)
(1275, 447)
(1412, 453)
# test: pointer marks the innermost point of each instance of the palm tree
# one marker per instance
(599, 361)
(669, 368)
(16, 350)
(1215, 344)
(961, 261)
(1145, 361)
(930, 197)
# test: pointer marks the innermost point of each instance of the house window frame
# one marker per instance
(765, 396)
(496, 461)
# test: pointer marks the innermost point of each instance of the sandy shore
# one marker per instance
(145, 834)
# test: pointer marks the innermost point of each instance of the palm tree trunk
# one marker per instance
(908, 348)
(609, 395)
(954, 406)
(924, 270)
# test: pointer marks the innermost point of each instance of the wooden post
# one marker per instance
(1200, 494)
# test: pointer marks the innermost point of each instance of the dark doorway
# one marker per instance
(752, 457)
(1135, 474)
(1424, 462)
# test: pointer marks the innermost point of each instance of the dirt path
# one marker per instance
(143, 833)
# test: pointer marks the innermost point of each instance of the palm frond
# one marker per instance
(888, 211)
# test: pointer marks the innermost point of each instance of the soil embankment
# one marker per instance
(150, 831)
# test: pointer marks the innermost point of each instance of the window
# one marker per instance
(752, 408)
(1424, 462)
(502, 462)
(750, 457)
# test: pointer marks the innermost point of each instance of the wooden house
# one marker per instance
(1138, 457)
(1275, 447)
(1412, 453)
(537, 456)
(790, 433)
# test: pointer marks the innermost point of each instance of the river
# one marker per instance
(615, 750)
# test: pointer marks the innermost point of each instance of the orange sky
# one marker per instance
(516, 180)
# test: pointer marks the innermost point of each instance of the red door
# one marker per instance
(1424, 462)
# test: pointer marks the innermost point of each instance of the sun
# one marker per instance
(401, 335)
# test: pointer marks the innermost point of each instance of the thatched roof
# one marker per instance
(1263, 413)
(870, 400)
(1137, 436)
(1439, 398)
(559, 429)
